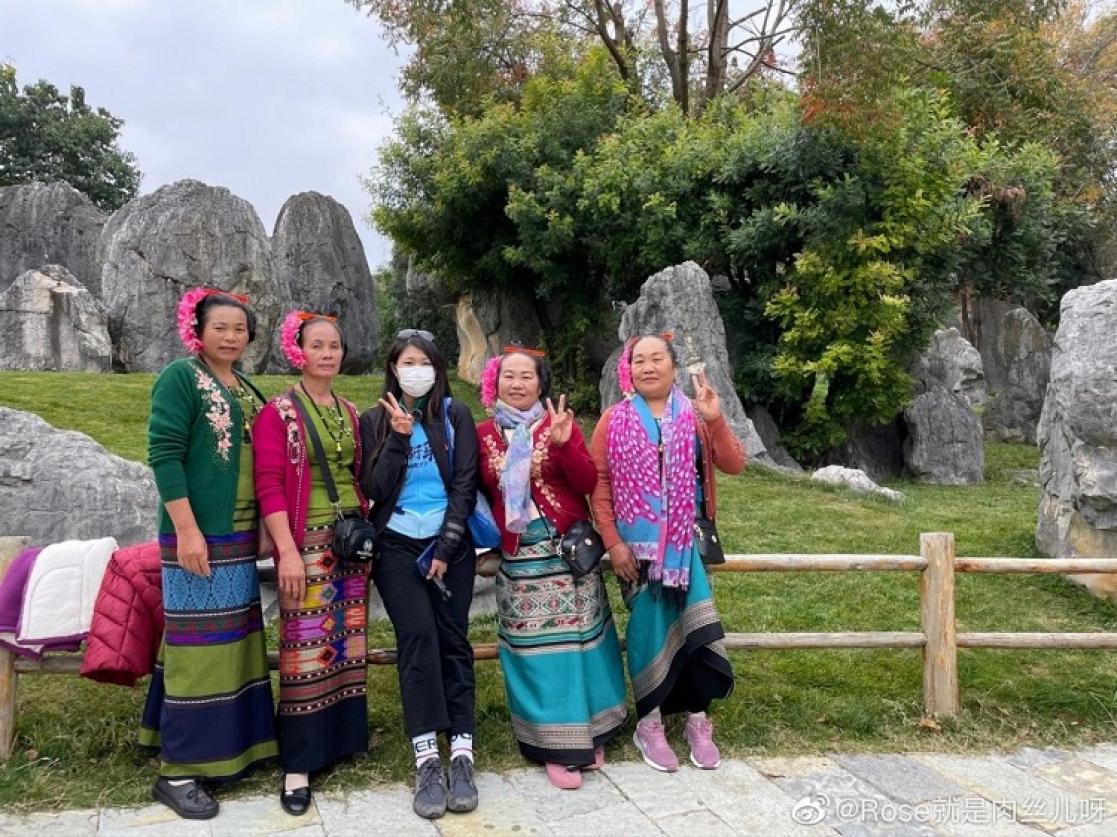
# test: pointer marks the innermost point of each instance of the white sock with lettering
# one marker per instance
(461, 745)
(424, 747)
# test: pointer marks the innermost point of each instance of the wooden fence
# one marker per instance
(938, 638)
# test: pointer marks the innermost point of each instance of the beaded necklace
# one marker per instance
(340, 421)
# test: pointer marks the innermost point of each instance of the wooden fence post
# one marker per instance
(10, 547)
(936, 598)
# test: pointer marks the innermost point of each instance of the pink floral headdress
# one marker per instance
(488, 382)
(289, 335)
(624, 365)
(492, 372)
(187, 315)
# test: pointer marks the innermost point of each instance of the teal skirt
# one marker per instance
(676, 653)
(559, 653)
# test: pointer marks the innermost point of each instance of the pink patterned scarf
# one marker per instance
(654, 506)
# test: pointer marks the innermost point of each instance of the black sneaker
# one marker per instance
(191, 801)
(463, 791)
(430, 790)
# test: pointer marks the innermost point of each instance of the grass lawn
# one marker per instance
(75, 738)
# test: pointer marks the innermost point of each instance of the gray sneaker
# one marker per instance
(430, 790)
(463, 792)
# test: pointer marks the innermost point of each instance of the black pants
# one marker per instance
(435, 659)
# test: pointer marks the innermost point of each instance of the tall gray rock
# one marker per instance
(1077, 434)
(49, 223)
(680, 299)
(59, 484)
(979, 321)
(49, 322)
(156, 247)
(1023, 356)
(489, 322)
(945, 444)
(320, 260)
(951, 362)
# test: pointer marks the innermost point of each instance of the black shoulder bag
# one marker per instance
(354, 536)
(581, 548)
(705, 532)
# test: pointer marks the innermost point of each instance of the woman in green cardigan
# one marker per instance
(209, 707)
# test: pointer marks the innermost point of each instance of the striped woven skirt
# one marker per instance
(209, 705)
(676, 655)
(560, 655)
(323, 707)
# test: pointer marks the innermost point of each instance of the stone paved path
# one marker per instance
(1028, 792)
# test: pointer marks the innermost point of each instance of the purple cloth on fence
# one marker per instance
(11, 599)
(12, 586)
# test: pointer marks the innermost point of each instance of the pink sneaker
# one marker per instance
(563, 777)
(651, 741)
(699, 734)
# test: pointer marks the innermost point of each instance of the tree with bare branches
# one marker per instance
(475, 48)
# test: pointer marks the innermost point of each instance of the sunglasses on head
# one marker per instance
(405, 333)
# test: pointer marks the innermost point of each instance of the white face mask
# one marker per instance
(416, 381)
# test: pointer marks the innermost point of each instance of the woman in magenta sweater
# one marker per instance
(558, 645)
(323, 602)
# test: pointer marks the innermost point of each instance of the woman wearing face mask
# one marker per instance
(209, 706)
(323, 602)
(421, 500)
(558, 645)
(648, 450)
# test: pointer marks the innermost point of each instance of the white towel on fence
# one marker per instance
(61, 590)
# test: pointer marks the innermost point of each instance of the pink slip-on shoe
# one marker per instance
(699, 733)
(563, 777)
(598, 759)
(651, 741)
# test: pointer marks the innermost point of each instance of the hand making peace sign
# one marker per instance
(400, 418)
(706, 400)
(562, 421)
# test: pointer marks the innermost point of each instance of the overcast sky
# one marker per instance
(265, 97)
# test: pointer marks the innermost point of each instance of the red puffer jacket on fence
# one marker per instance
(127, 618)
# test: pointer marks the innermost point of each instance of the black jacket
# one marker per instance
(383, 473)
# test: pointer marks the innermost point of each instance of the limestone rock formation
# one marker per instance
(945, 444)
(157, 246)
(49, 223)
(486, 324)
(59, 484)
(951, 362)
(1077, 434)
(1023, 352)
(855, 480)
(320, 261)
(49, 322)
(680, 299)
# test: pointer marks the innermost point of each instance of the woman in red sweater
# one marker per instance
(558, 645)
(323, 601)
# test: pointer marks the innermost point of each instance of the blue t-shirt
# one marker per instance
(422, 503)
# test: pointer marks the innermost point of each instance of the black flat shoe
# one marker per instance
(296, 802)
(191, 801)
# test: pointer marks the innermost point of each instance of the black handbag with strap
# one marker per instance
(705, 532)
(581, 548)
(354, 536)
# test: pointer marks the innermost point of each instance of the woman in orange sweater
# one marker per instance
(655, 454)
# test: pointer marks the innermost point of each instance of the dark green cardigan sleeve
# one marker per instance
(174, 408)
